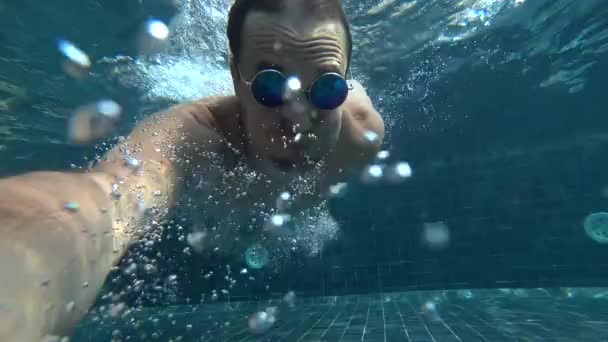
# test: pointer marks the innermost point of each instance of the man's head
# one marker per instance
(302, 39)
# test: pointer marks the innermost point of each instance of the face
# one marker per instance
(299, 46)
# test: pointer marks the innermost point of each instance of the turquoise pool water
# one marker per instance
(491, 226)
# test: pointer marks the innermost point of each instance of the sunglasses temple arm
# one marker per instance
(349, 77)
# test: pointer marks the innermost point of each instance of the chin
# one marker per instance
(286, 154)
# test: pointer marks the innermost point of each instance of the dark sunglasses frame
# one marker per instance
(305, 91)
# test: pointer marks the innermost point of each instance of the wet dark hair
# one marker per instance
(331, 9)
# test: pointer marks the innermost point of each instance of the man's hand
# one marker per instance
(360, 139)
(358, 95)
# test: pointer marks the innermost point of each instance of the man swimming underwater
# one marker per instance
(294, 116)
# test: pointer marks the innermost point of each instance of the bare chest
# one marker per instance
(237, 207)
(248, 196)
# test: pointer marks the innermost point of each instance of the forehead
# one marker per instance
(290, 37)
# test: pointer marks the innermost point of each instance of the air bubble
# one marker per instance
(115, 191)
(150, 269)
(430, 311)
(256, 256)
(278, 220)
(131, 269)
(372, 173)
(436, 235)
(115, 310)
(285, 196)
(272, 311)
(93, 121)
(76, 63)
(596, 226)
(262, 321)
(292, 88)
(108, 108)
(371, 136)
(290, 299)
(71, 206)
(382, 155)
(283, 200)
(398, 173)
(337, 190)
(132, 163)
(196, 240)
(154, 37)
(293, 83)
(157, 29)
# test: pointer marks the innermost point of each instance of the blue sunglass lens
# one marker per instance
(329, 91)
(268, 88)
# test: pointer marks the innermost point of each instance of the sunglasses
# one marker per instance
(270, 88)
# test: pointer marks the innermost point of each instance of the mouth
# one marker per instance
(291, 136)
(293, 140)
(287, 128)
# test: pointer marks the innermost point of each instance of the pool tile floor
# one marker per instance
(427, 316)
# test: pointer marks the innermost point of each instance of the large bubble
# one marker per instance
(596, 226)
(435, 235)
(256, 256)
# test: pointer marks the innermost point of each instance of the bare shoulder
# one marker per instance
(208, 119)
(212, 112)
(181, 132)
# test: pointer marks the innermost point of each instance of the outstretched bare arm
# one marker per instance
(61, 233)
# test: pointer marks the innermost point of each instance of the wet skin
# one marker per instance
(44, 243)
(239, 128)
